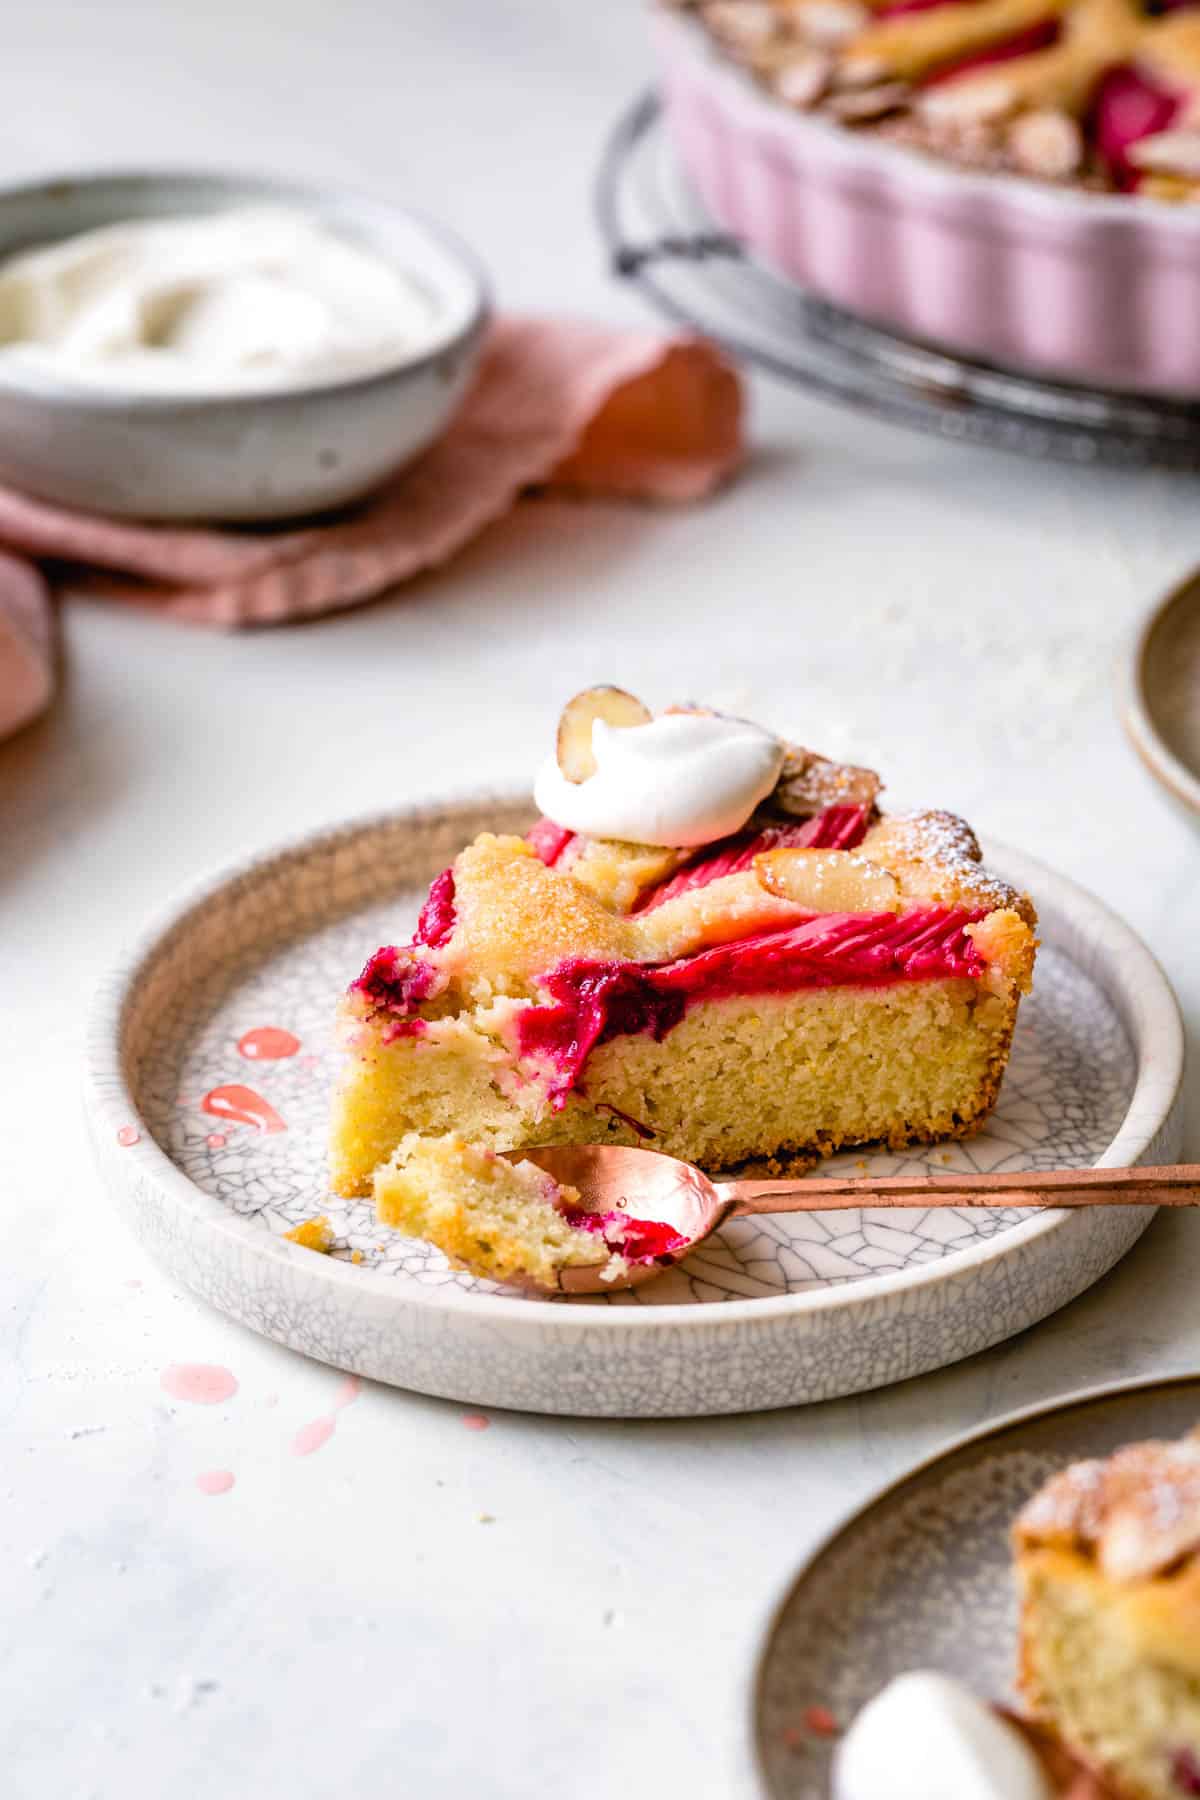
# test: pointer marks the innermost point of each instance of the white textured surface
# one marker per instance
(954, 614)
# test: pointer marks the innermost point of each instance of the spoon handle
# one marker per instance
(1178, 1185)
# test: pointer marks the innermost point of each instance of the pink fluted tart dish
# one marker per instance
(1031, 204)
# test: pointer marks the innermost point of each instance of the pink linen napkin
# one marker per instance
(26, 645)
(560, 404)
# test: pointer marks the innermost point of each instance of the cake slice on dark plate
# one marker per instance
(711, 942)
(1108, 1567)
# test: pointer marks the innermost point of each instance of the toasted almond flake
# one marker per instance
(1168, 153)
(968, 102)
(828, 23)
(858, 69)
(573, 747)
(803, 81)
(828, 881)
(859, 105)
(742, 24)
(1048, 144)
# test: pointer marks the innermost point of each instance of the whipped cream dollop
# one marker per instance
(925, 1737)
(680, 780)
(249, 299)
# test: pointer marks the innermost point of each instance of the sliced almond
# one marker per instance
(573, 746)
(828, 881)
(1168, 153)
(808, 783)
(803, 79)
(1047, 144)
(742, 24)
(858, 106)
(971, 100)
(830, 23)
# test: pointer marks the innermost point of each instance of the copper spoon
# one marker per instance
(653, 1188)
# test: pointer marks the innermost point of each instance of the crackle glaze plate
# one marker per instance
(210, 1061)
(920, 1577)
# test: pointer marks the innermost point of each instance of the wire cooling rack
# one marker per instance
(661, 240)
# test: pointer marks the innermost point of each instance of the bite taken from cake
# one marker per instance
(711, 942)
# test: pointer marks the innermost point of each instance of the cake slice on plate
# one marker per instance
(711, 942)
(1108, 1564)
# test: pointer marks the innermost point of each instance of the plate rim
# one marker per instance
(110, 1106)
(752, 1686)
(1137, 708)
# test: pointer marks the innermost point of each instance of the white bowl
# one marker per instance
(235, 456)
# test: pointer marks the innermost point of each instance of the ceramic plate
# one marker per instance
(1161, 705)
(920, 1578)
(774, 1312)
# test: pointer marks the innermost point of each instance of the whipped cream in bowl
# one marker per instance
(240, 300)
(198, 346)
(680, 780)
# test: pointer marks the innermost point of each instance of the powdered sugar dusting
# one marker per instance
(1137, 1513)
(945, 845)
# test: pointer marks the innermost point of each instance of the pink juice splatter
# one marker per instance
(128, 1136)
(200, 1384)
(318, 1432)
(215, 1481)
(242, 1104)
(348, 1392)
(476, 1421)
(268, 1043)
(312, 1436)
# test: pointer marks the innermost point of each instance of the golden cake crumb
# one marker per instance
(312, 1234)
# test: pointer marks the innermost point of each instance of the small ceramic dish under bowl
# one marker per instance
(210, 1063)
(238, 456)
(920, 1577)
(1160, 702)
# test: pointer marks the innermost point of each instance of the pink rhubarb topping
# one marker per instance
(1129, 106)
(396, 979)
(548, 840)
(837, 828)
(591, 1002)
(435, 926)
(588, 1002)
(638, 1240)
(399, 976)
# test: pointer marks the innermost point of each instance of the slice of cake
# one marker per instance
(1108, 1564)
(711, 943)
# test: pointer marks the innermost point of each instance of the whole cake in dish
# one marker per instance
(711, 942)
(1101, 94)
(1108, 1563)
